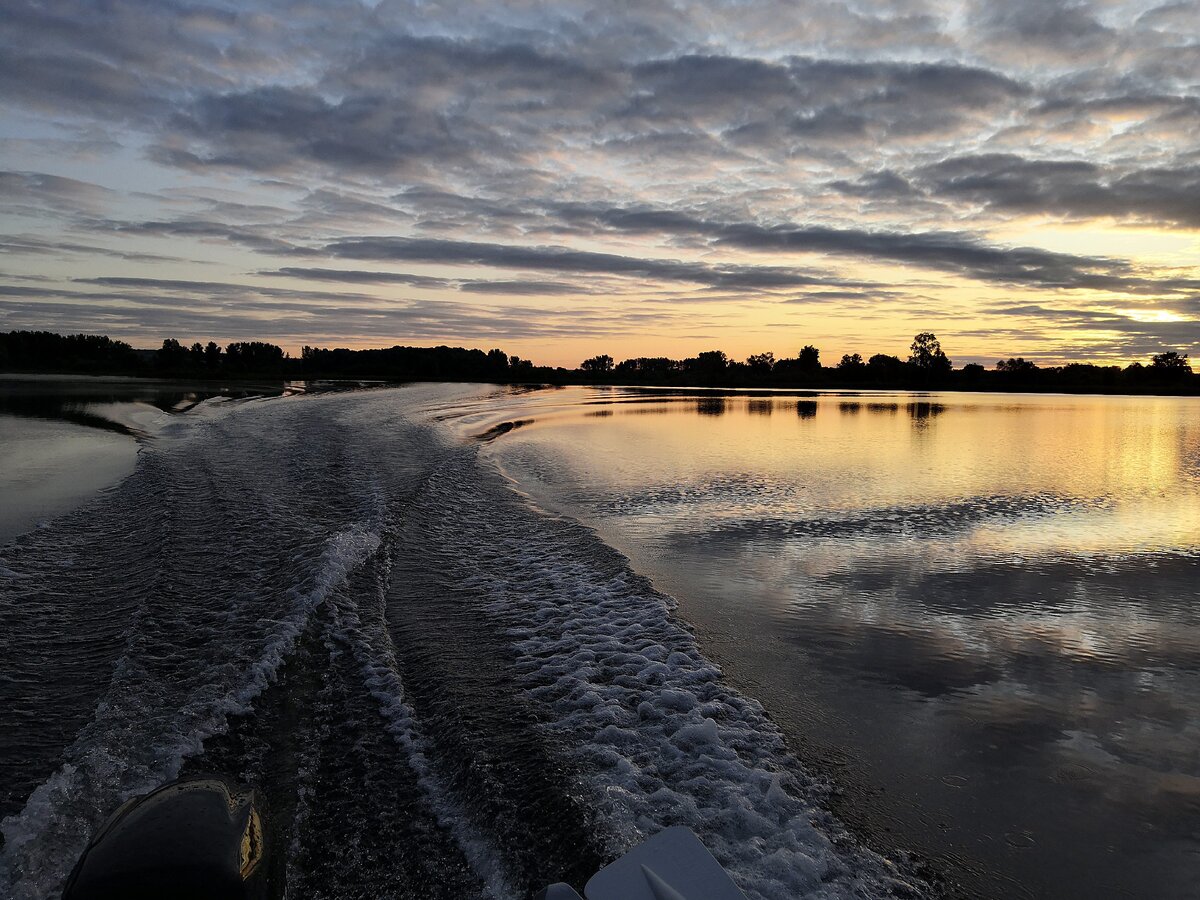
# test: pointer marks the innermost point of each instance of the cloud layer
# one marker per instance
(737, 172)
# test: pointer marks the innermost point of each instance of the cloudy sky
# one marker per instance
(643, 177)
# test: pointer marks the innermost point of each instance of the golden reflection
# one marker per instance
(1061, 474)
(988, 593)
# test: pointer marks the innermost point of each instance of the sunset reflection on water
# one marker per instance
(979, 613)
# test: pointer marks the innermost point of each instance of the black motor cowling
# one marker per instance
(195, 839)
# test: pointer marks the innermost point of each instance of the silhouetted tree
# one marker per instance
(927, 355)
(1168, 368)
(1018, 371)
(707, 367)
(521, 369)
(171, 356)
(28, 351)
(808, 360)
(761, 363)
(45, 351)
(1170, 361)
(649, 369)
(254, 357)
(1085, 375)
(597, 365)
(973, 374)
(498, 361)
(1135, 373)
(423, 364)
(851, 368)
(1019, 367)
(885, 369)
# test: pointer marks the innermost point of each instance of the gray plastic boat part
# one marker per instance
(672, 865)
(558, 891)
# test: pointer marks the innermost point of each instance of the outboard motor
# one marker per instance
(194, 839)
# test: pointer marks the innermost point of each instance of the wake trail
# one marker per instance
(439, 690)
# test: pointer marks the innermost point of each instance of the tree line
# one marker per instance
(87, 354)
(93, 354)
(926, 366)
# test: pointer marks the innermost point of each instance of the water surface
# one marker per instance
(440, 690)
(978, 613)
(65, 438)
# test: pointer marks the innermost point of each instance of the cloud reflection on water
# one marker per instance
(987, 604)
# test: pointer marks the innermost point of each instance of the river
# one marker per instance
(468, 640)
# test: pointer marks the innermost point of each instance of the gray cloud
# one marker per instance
(1059, 29)
(80, 84)
(943, 251)
(275, 128)
(529, 288)
(814, 98)
(39, 192)
(27, 245)
(355, 119)
(628, 151)
(1072, 188)
(1181, 16)
(356, 276)
(313, 322)
(857, 297)
(474, 286)
(561, 259)
(252, 236)
(1125, 335)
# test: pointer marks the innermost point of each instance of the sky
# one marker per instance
(641, 178)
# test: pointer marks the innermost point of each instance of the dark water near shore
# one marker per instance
(981, 614)
(440, 690)
(62, 438)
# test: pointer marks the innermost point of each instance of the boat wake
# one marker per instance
(440, 690)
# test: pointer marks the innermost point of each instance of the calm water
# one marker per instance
(980, 614)
(63, 438)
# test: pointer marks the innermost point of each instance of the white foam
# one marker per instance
(375, 655)
(661, 738)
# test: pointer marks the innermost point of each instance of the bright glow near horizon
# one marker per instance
(562, 180)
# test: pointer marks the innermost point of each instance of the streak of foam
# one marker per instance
(662, 738)
(375, 655)
(132, 746)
